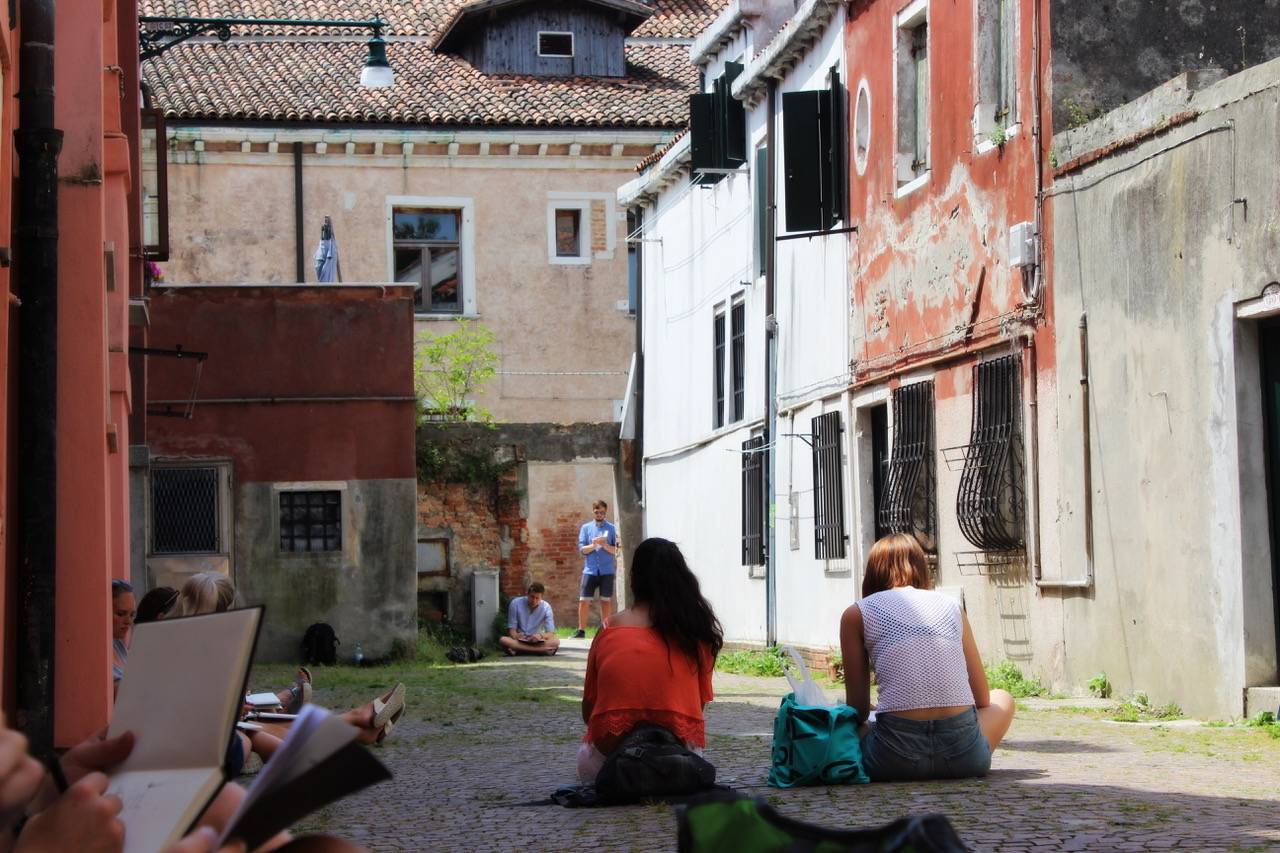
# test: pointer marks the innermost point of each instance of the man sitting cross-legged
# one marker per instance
(531, 629)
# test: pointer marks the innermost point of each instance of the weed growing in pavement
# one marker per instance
(1006, 676)
(1138, 708)
(1267, 722)
(1100, 686)
(759, 662)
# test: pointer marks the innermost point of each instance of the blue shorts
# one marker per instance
(592, 583)
(897, 749)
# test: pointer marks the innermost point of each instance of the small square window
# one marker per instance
(311, 521)
(555, 44)
(568, 233)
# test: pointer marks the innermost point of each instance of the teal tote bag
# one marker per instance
(815, 745)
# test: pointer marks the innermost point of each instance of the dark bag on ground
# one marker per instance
(320, 644)
(651, 762)
(728, 823)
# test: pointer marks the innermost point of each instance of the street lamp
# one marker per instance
(153, 40)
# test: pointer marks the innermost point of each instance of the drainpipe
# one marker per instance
(1037, 153)
(297, 212)
(1087, 464)
(770, 379)
(1033, 469)
(38, 145)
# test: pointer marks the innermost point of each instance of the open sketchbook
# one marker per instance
(180, 696)
(319, 762)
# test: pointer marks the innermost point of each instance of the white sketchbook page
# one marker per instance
(182, 687)
(262, 699)
(159, 805)
(314, 736)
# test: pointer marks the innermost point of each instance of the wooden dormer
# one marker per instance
(545, 38)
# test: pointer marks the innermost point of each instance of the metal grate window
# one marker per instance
(738, 351)
(753, 458)
(828, 489)
(311, 521)
(908, 505)
(989, 503)
(184, 510)
(717, 416)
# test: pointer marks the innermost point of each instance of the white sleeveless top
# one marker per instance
(915, 643)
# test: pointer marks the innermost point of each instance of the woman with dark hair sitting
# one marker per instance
(651, 663)
(936, 717)
(156, 604)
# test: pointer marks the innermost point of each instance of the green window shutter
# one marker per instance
(735, 119)
(703, 146)
(835, 185)
(802, 160)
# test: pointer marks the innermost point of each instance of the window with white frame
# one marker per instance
(912, 83)
(995, 56)
(555, 43)
(569, 232)
(427, 252)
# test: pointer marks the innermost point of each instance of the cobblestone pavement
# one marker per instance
(481, 744)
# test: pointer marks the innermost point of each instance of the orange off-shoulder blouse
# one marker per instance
(632, 677)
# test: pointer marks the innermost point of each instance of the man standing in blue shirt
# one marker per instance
(598, 542)
(531, 629)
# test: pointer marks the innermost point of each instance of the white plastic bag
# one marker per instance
(802, 684)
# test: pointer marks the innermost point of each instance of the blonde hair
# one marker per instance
(206, 592)
(895, 560)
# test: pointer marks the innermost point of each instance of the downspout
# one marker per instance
(770, 363)
(1033, 469)
(38, 145)
(1037, 152)
(297, 212)
(1087, 464)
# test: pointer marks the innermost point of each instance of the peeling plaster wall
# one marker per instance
(1105, 54)
(1150, 246)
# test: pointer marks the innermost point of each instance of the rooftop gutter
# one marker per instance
(669, 168)
(784, 51)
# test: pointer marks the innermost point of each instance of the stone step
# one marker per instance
(1259, 699)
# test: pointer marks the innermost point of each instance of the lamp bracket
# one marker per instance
(158, 33)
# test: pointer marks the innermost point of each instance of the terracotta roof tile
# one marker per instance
(316, 82)
(671, 18)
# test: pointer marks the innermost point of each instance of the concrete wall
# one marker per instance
(304, 388)
(1151, 247)
(563, 339)
(1105, 54)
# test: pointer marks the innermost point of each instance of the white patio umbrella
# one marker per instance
(328, 267)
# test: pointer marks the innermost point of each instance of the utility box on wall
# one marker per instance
(484, 606)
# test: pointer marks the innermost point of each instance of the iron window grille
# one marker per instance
(718, 332)
(828, 488)
(753, 457)
(311, 521)
(738, 353)
(909, 496)
(989, 504)
(184, 510)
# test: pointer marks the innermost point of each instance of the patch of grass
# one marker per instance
(1006, 676)
(567, 632)
(1267, 722)
(1139, 709)
(758, 662)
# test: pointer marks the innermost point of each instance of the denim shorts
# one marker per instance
(898, 749)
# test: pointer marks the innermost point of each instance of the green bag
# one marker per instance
(727, 824)
(815, 745)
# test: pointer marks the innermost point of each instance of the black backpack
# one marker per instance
(320, 644)
(651, 762)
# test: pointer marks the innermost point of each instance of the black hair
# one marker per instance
(537, 587)
(156, 604)
(662, 581)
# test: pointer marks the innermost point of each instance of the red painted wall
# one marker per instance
(266, 344)
(918, 260)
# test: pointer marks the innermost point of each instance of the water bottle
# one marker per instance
(359, 654)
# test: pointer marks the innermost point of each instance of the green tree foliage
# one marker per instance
(449, 369)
